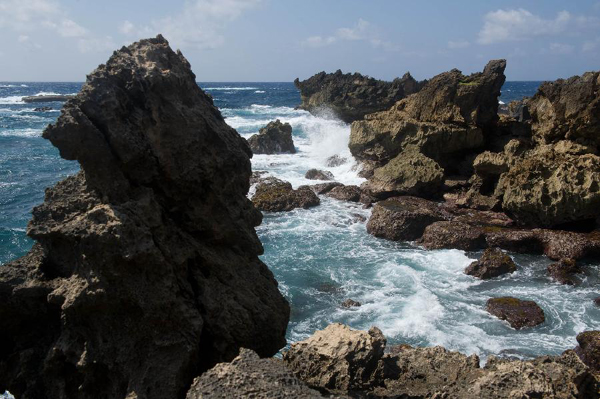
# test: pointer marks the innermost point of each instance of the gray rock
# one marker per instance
(275, 138)
(316, 174)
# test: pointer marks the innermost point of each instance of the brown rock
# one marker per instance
(597, 301)
(275, 138)
(274, 195)
(518, 313)
(324, 188)
(458, 235)
(589, 349)
(345, 193)
(316, 174)
(563, 271)
(493, 263)
(350, 303)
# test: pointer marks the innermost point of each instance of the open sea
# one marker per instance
(324, 255)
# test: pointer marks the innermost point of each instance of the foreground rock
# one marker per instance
(316, 174)
(250, 376)
(493, 263)
(274, 195)
(351, 97)
(563, 271)
(146, 271)
(589, 349)
(342, 361)
(275, 138)
(518, 313)
(47, 98)
(345, 193)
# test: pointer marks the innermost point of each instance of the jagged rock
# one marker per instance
(351, 97)
(275, 138)
(589, 349)
(274, 195)
(335, 160)
(458, 235)
(493, 263)
(563, 271)
(350, 303)
(345, 193)
(519, 111)
(337, 358)
(402, 218)
(324, 188)
(250, 376)
(316, 174)
(518, 313)
(146, 271)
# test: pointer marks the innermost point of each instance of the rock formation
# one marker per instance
(493, 263)
(589, 349)
(146, 271)
(517, 313)
(316, 174)
(351, 96)
(275, 138)
(345, 193)
(563, 271)
(274, 195)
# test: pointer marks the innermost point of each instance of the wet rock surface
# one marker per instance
(316, 174)
(351, 96)
(274, 195)
(518, 313)
(493, 263)
(275, 138)
(345, 193)
(324, 188)
(589, 349)
(146, 269)
(563, 271)
(335, 160)
(350, 303)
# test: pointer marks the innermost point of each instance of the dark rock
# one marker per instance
(402, 218)
(345, 193)
(589, 349)
(518, 313)
(258, 176)
(493, 263)
(351, 97)
(274, 195)
(275, 138)
(146, 272)
(249, 376)
(335, 160)
(350, 303)
(563, 271)
(458, 235)
(324, 188)
(358, 218)
(42, 109)
(329, 288)
(47, 98)
(519, 111)
(597, 301)
(316, 174)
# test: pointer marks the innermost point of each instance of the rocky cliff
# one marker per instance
(145, 272)
(351, 96)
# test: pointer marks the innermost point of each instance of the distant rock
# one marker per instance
(275, 138)
(274, 195)
(47, 98)
(518, 313)
(42, 109)
(350, 303)
(345, 193)
(335, 160)
(493, 263)
(563, 271)
(351, 96)
(316, 174)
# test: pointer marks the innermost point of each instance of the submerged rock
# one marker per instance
(335, 160)
(146, 271)
(351, 96)
(563, 271)
(518, 313)
(493, 263)
(316, 174)
(350, 303)
(274, 195)
(275, 138)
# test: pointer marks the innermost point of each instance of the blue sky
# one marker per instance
(279, 40)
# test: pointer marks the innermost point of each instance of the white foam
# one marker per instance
(11, 100)
(501, 102)
(21, 133)
(260, 91)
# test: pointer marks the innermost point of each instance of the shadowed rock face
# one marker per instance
(275, 138)
(351, 96)
(146, 269)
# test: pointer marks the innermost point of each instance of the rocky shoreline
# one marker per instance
(145, 280)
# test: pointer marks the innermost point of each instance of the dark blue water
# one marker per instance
(323, 255)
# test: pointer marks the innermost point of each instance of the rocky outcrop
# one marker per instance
(146, 269)
(351, 96)
(324, 188)
(345, 193)
(47, 98)
(249, 376)
(446, 119)
(563, 271)
(493, 263)
(316, 174)
(519, 314)
(274, 195)
(589, 349)
(275, 138)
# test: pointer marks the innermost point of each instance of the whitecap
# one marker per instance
(21, 133)
(260, 91)
(11, 100)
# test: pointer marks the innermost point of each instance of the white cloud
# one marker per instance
(96, 44)
(126, 27)
(23, 38)
(458, 44)
(199, 24)
(561, 48)
(362, 30)
(590, 45)
(514, 25)
(358, 32)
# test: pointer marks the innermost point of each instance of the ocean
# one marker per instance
(322, 256)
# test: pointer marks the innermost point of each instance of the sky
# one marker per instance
(279, 40)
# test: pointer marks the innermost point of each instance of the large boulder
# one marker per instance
(589, 349)
(146, 271)
(275, 138)
(274, 195)
(493, 263)
(351, 96)
(345, 193)
(516, 312)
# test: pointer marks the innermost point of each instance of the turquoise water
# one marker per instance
(323, 255)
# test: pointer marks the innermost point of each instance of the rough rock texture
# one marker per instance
(455, 234)
(324, 188)
(518, 313)
(335, 160)
(337, 358)
(316, 174)
(350, 303)
(563, 271)
(351, 96)
(345, 193)
(493, 263)
(249, 376)
(402, 218)
(275, 138)
(589, 349)
(146, 268)
(274, 195)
